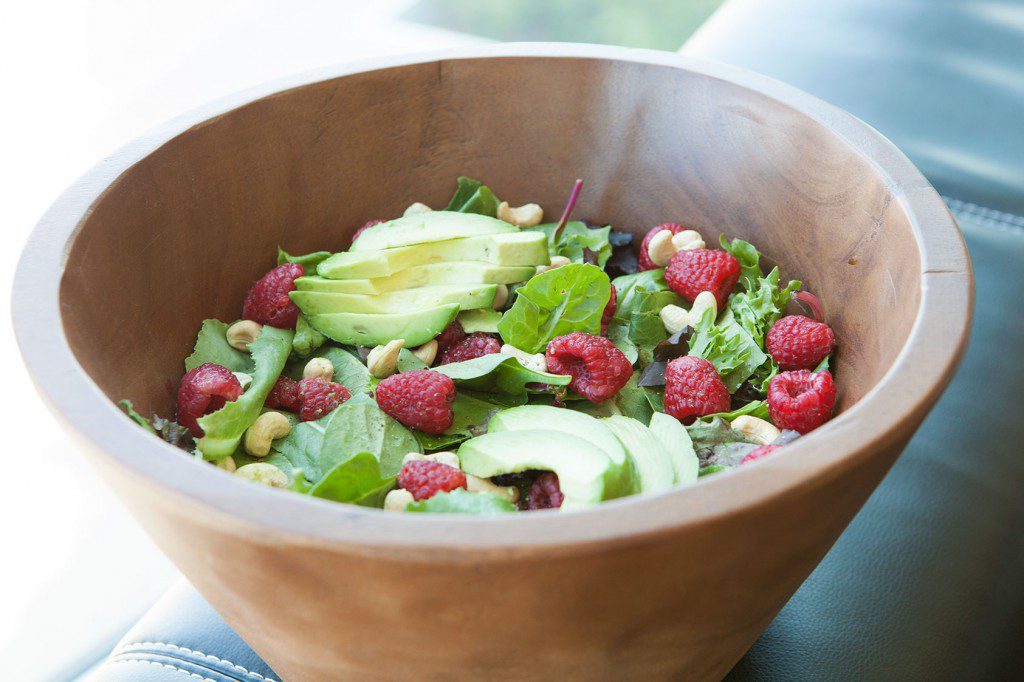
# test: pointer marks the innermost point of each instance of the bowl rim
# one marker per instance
(904, 394)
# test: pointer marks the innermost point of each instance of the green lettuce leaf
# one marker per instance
(212, 346)
(307, 340)
(358, 479)
(308, 261)
(498, 373)
(462, 502)
(472, 196)
(560, 301)
(129, 409)
(224, 428)
(729, 347)
(574, 238)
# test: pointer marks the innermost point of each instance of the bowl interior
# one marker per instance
(182, 234)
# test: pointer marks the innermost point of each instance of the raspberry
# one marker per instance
(645, 258)
(759, 452)
(545, 493)
(694, 389)
(473, 346)
(284, 394)
(421, 399)
(801, 400)
(695, 270)
(452, 334)
(798, 342)
(609, 312)
(318, 397)
(203, 390)
(597, 367)
(268, 302)
(424, 478)
(369, 223)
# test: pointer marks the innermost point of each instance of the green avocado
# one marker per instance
(585, 473)
(363, 329)
(482, 320)
(468, 296)
(676, 440)
(432, 226)
(531, 417)
(509, 248)
(461, 272)
(653, 466)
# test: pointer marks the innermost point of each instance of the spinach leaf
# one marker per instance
(308, 261)
(717, 444)
(212, 346)
(349, 371)
(307, 339)
(727, 346)
(224, 428)
(560, 301)
(129, 409)
(631, 400)
(472, 196)
(499, 373)
(360, 426)
(472, 412)
(408, 362)
(358, 479)
(461, 501)
(576, 237)
(298, 453)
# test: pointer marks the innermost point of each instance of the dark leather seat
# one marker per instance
(927, 581)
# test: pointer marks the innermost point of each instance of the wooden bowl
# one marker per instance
(175, 227)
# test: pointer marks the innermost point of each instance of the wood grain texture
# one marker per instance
(176, 226)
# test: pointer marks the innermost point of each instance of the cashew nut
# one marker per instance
(754, 429)
(537, 362)
(242, 333)
(427, 353)
(687, 240)
(383, 360)
(475, 484)
(556, 262)
(318, 367)
(660, 248)
(397, 500)
(449, 458)
(500, 297)
(677, 319)
(227, 464)
(262, 472)
(268, 427)
(526, 215)
(417, 208)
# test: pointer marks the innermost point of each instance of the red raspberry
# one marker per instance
(421, 399)
(609, 312)
(318, 397)
(645, 258)
(473, 346)
(801, 400)
(597, 367)
(545, 493)
(268, 302)
(203, 390)
(694, 389)
(759, 452)
(798, 342)
(695, 270)
(366, 225)
(284, 394)
(424, 478)
(452, 334)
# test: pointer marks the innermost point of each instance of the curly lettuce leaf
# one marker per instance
(560, 301)
(358, 480)
(129, 409)
(212, 346)
(224, 428)
(308, 261)
(498, 373)
(576, 237)
(472, 196)
(729, 347)
(749, 258)
(462, 502)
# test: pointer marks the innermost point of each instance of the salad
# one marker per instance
(477, 359)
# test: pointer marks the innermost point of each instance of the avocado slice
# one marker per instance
(432, 226)
(676, 440)
(532, 417)
(474, 320)
(459, 272)
(363, 329)
(468, 296)
(585, 473)
(653, 466)
(508, 248)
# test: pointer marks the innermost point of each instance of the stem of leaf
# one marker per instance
(568, 209)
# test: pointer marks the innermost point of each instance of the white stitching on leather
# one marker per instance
(195, 653)
(1008, 222)
(164, 665)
